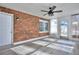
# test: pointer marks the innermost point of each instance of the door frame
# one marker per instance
(12, 25)
(67, 37)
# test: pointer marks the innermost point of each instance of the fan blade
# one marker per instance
(52, 8)
(44, 11)
(58, 11)
(45, 14)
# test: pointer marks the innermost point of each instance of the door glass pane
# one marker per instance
(64, 27)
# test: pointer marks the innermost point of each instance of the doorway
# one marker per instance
(6, 29)
(64, 29)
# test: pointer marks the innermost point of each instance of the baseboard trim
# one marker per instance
(29, 40)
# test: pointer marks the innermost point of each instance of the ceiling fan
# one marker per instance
(51, 11)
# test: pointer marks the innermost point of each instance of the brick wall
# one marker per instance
(26, 27)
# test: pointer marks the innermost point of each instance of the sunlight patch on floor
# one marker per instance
(22, 49)
(40, 53)
(43, 43)
(61, 47)
(49, 39)
(66, 42)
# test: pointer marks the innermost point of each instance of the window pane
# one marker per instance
(75, 29)
(64, 25)
(46, 26)
(53, 26)
(41, 26)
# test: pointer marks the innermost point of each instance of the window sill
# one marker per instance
(43, 31)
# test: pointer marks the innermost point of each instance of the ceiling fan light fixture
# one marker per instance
(50, 14)
(51, 11)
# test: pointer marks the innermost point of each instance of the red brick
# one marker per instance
(26, 27)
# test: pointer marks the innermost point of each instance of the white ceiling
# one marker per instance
(35, 8)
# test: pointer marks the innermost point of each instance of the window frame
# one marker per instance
(44, 23)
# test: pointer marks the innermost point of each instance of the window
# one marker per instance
(75, 25)
(53, 25)
(75, 30)
(43, 27)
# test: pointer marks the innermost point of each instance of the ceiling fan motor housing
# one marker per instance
(50, 13)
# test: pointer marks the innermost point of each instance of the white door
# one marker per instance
(6, 29)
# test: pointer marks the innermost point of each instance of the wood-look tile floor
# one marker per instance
(45, 46)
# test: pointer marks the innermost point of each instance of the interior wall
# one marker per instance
(26, 27)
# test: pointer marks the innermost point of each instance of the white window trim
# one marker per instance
(43, 31)
(44, 26)
(43, 21)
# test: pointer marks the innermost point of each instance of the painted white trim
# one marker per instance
(12, 25)
(6, 13)
(43, 31)
(12, 28)
(30, 40)
(45, 21)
